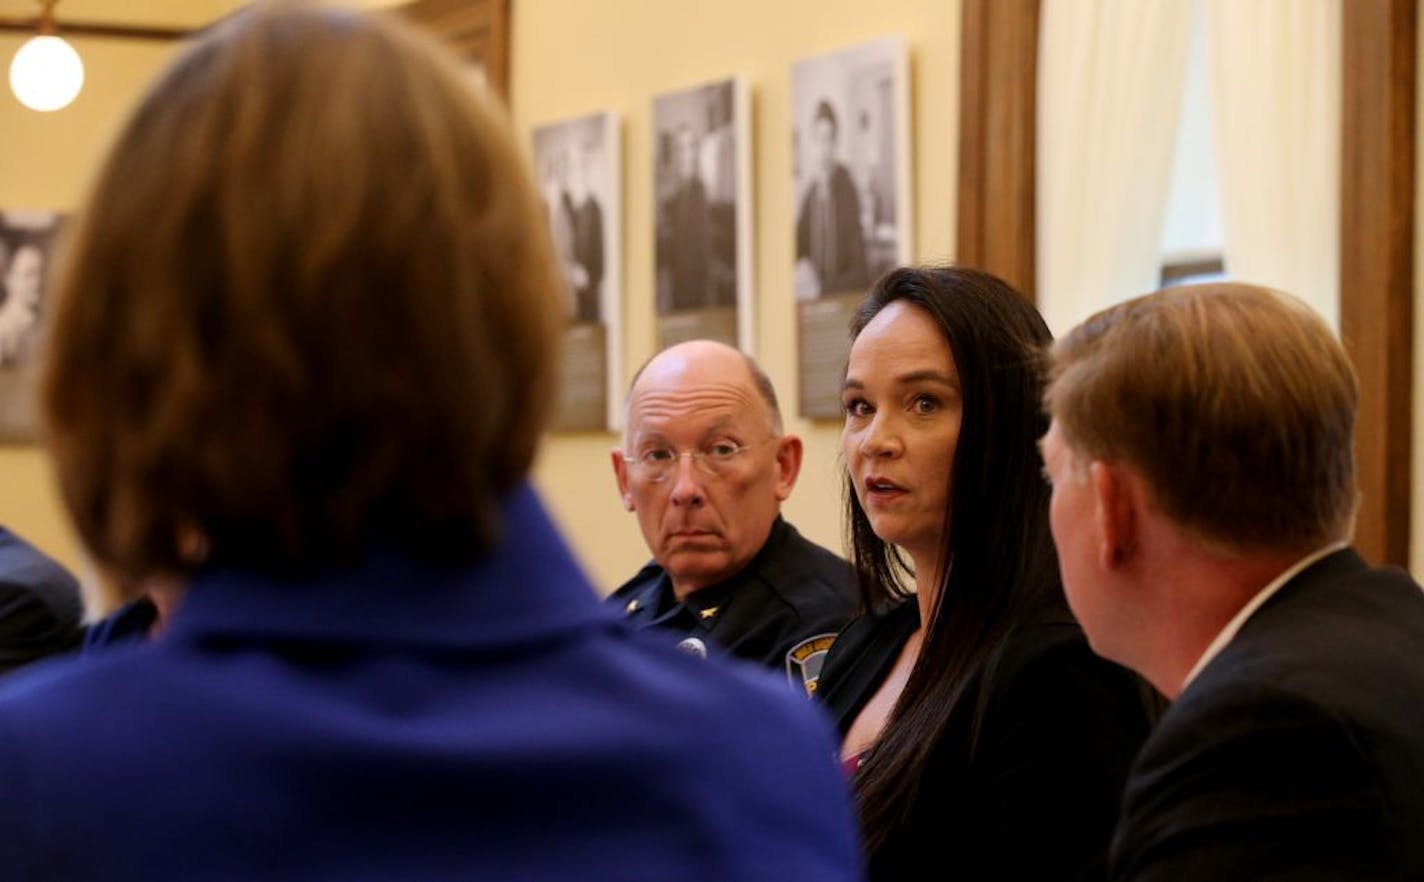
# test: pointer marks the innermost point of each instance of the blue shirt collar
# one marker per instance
(528, 587)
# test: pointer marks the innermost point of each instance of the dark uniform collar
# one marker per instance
(649, 594)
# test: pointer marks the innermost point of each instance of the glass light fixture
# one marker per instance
(46, 73)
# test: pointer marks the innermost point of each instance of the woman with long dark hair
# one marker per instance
(985, 739)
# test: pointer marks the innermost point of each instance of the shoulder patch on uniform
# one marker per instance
(804, 660)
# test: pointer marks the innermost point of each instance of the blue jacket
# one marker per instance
(399, 722)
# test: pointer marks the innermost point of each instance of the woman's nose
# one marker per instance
(881, 438)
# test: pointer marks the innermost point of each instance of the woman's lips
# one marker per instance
(881, 490)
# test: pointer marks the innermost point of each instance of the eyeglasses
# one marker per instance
(715, 460)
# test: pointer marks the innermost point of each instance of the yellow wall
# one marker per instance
(572, 57)
(46, 160)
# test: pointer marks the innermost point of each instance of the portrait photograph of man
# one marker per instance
(572, 161)
(847, 135)
(577, 167)
(701, 187)
(850, 155)
(26, 244)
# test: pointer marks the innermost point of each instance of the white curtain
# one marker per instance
(1110, 80)
(1276, 89)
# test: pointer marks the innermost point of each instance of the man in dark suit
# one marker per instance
(684, 234)
(586, 224)
(1203, 496)
(39, 604)
(829, 239)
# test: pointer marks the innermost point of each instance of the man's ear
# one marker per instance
(788, 465)
(620, 472)
(1116, 512)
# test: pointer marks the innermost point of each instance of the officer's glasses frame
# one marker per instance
(657, 464)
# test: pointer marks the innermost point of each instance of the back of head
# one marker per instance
(311, 307)
(1235, 402)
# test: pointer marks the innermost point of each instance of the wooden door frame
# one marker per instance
(1377, 261)
(478, 30)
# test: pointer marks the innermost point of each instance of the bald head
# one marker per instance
(702, 362)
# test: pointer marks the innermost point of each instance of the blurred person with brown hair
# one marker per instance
(1203, 499)
(302, 355)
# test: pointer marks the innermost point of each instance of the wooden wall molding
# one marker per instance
(998, 95)
(1377, 192)
(476, 29)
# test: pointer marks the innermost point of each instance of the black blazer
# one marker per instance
(40, 608)
(1038, 797)
(1298, 752)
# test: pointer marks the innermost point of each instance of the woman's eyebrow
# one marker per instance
(932, 376)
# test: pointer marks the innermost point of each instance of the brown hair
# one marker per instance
(311, 307)
(1237, 403)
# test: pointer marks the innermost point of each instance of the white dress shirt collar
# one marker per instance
(1226, 634)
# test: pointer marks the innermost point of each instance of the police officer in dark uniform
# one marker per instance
(705, 466)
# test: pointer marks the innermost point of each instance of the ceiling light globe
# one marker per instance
(46, 74)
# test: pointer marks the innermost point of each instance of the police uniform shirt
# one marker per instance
(782, 610)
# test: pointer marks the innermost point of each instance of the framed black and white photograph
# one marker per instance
(26, 256)
(577, 163)
(852, 184)
(703, 214)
